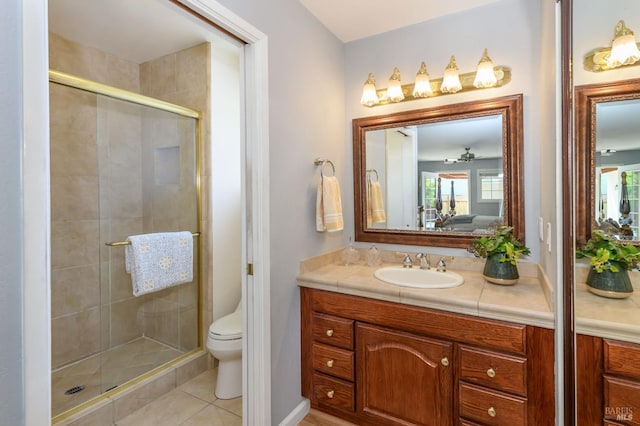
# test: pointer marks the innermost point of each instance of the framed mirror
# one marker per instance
(439, 176)
(607, 132)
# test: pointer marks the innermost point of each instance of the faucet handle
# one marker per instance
(442, 265)
(407, 262)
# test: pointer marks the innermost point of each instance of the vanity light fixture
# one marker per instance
(485, 77)
(451, 80)
(394, 91)
(422, 86)
(623, 51)
(369, 94)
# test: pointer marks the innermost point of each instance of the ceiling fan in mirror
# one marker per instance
(466, 157)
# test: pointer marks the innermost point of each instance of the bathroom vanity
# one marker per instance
(375, 353)
(607, 356)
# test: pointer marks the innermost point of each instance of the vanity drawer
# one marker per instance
(492, 369)
(490, 407)
(622, 358)
(333, 392)
(622, 400)
(332, 330)
(335, 361)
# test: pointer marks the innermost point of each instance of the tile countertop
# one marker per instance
(617, 319)
(527, 302)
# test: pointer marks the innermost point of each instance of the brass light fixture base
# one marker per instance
(503, 74)
(596, 60)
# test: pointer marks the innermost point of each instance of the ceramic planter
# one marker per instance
(615, 285)
(496, 272)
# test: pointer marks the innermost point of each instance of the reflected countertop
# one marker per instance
(527, 302)
(617, 319)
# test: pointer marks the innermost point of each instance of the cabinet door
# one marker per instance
(403, 379)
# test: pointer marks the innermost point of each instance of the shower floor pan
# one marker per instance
(102, 372)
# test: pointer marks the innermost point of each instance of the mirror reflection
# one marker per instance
(608, 159)
(617, 168)
(441, 176)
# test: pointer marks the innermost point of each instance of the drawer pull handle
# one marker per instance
(444, 361)
(330, 363)
(330, 394)
(491, 373)
(492, 412)
(329, 332)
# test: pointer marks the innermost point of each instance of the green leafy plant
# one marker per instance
(502, 242)
(604, 249)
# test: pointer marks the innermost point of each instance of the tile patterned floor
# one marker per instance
(192, 404)
(115, 366)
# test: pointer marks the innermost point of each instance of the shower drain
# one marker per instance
(75, 389)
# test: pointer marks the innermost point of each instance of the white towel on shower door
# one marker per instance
(157, 261)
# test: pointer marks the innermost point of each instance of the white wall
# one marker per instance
(510, 29)
(11, 380)
(306, 118)
(226, 179)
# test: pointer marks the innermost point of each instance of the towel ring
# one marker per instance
(369, 171)
(322, 162)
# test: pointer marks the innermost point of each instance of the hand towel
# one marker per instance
(375, 205)
(157, 261)
(329, 205)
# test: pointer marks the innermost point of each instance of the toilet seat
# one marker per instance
(229, 327)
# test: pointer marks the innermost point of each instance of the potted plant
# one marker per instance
(610, 262)
(502, 251)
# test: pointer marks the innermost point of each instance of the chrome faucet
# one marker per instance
(424, 260)
(442, 265)
(407, 262)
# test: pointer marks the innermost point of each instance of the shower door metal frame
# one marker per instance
(125, 95)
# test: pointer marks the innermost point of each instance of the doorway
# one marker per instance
(255, 149)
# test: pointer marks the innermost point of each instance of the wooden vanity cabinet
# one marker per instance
(403, 378)
(374, 362)
(608, 381)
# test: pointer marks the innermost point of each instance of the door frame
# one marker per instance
(36, 348)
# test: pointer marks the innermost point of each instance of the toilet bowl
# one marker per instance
(225, 344)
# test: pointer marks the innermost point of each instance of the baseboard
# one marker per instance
(297, 414)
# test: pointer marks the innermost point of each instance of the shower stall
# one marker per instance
(121, 164)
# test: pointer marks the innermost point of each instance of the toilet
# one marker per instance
(225, 344)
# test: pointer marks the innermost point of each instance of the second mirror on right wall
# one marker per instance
(605, 155)
(608, 159)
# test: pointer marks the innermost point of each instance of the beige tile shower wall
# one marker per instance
(92, 64)
(181, 78)
(81, 213)
(120, 156)
(75, 297)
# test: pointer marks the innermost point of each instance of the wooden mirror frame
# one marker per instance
(587, 97)
(509, 107)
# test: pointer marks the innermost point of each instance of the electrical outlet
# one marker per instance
(549, 236)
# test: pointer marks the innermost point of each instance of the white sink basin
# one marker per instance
(418, 278)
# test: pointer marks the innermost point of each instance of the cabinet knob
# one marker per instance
(329, 332)
(444, 361)
(330, 363)
(330, 394)
(491, 372)
(492, 412)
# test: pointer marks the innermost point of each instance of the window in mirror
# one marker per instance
(490, 188)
